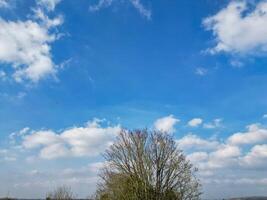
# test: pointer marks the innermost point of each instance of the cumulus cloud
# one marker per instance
(195, 122)
(166, 124)
(26, 46)
(232, 160)
(135, 3)
(193, 141)
(229, 157)
(225, 156)
(89, 140)
(197, 157)
(254, 134)
(40, 138)
(239, 28)
(220, 161)
(226, 151)
(257, 156)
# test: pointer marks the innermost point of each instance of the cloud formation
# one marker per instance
(193, 141)
(255, 134)
(201, 71)
(135, 3)
(239, 159)
(216, 123)
(48, 4)
(195, 122)
(26, 46)
(239, 28)
(257, 156)
(166, 124)
(86, 141)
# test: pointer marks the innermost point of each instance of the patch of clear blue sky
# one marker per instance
(130, 70)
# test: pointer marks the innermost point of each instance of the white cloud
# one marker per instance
(191, 141)
(226, 163)
(239, 29)
(219, 161)
(264, 116)
(166, 124)
(142, 10)
(41, 138)
(255, 134)
(19, 133)
(197, 157)
(236, 63)
(25, 45)
(54, 150)
(195, 122)
(101, 4)
(135, 3)
(86, 141)
(48, 4)
(216, 123)
(257, 156)
(222, 157)
(201, 71)
(226, 151)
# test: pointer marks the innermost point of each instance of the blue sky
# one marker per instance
(73, 72)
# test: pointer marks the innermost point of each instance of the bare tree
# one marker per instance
(149, 166)
(61, 193)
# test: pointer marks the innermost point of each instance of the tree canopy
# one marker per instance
(147, 165)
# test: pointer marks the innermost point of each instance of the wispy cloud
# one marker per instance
(142, 10)
(49, 4)
(135, 3)
(101, 4)
(216, 123)
(201, 71)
